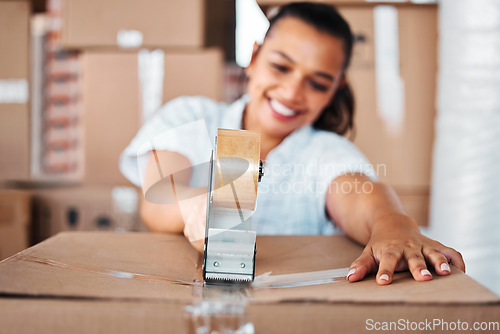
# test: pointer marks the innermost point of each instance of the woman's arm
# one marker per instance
(370, 213)
(164, 218)
(185, 211)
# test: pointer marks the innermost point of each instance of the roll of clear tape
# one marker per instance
(236, 174)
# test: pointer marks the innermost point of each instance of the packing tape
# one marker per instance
(237, 169)
(105, 271)
(264, 281)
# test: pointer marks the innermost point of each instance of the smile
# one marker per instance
(281, 109)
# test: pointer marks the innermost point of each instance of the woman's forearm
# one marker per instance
(162, 217)
(173, 167)
(356, 211)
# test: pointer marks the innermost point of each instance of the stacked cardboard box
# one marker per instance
(130, 64)
(402, 155)
(113, 94)
(89, 208)
(145, 24)
(123, 79)
(14, 124)
(14, 82)
(15, 221)
(93, 88)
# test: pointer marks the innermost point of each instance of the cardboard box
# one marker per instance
(404, 154)
(85, 208)
(113, 107)
(14, 82)
(416, 203)
(84, 282)
(402, 158)
(144, 24)
(15, 221)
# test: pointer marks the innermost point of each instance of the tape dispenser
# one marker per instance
(234, 173)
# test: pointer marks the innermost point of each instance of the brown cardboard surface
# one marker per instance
(193, 73)
(92, 258)
(416, 204)
(75, 291)
(15, 221)
(96, 23)
(14, 65)
(112, 104)
(14, 39)
(111, 111)
(85, 208)
(302, 254)
(89, 316)
(80, 262)
(14, 207)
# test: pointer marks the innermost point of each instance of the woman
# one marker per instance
(299, 101)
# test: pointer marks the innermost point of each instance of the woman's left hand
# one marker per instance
(396, 244)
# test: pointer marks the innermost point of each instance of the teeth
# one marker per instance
(281, 109)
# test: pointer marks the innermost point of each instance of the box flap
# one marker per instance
(102, 265)
(292, 254)
(285, 255)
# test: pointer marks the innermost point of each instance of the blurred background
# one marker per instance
(79, 77)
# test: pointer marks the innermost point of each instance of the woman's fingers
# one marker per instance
(387, 265)
(362, 266)
(199, 245)
(455, 258)
(417, 265)
(194, 215)
(441, 256)
(438, 260)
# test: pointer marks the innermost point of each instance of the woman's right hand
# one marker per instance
(194, 213)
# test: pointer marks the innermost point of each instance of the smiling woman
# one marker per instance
(299, 101)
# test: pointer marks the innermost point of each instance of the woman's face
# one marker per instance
(292, 77)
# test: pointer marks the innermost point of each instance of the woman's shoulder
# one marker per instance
(330, 145)
(332, 149)
(328, 139)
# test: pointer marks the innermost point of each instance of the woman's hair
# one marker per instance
(338, 115)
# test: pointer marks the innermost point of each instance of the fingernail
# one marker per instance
(445, 267)
(352, 271)
(384, 277)
(425, 272)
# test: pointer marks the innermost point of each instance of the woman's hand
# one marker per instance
(396, 244)
(194, 213)
(371, 214)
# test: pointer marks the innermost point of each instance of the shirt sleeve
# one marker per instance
(179, 126)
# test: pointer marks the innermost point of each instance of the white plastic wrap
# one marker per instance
(390, 86)
(465, 208)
